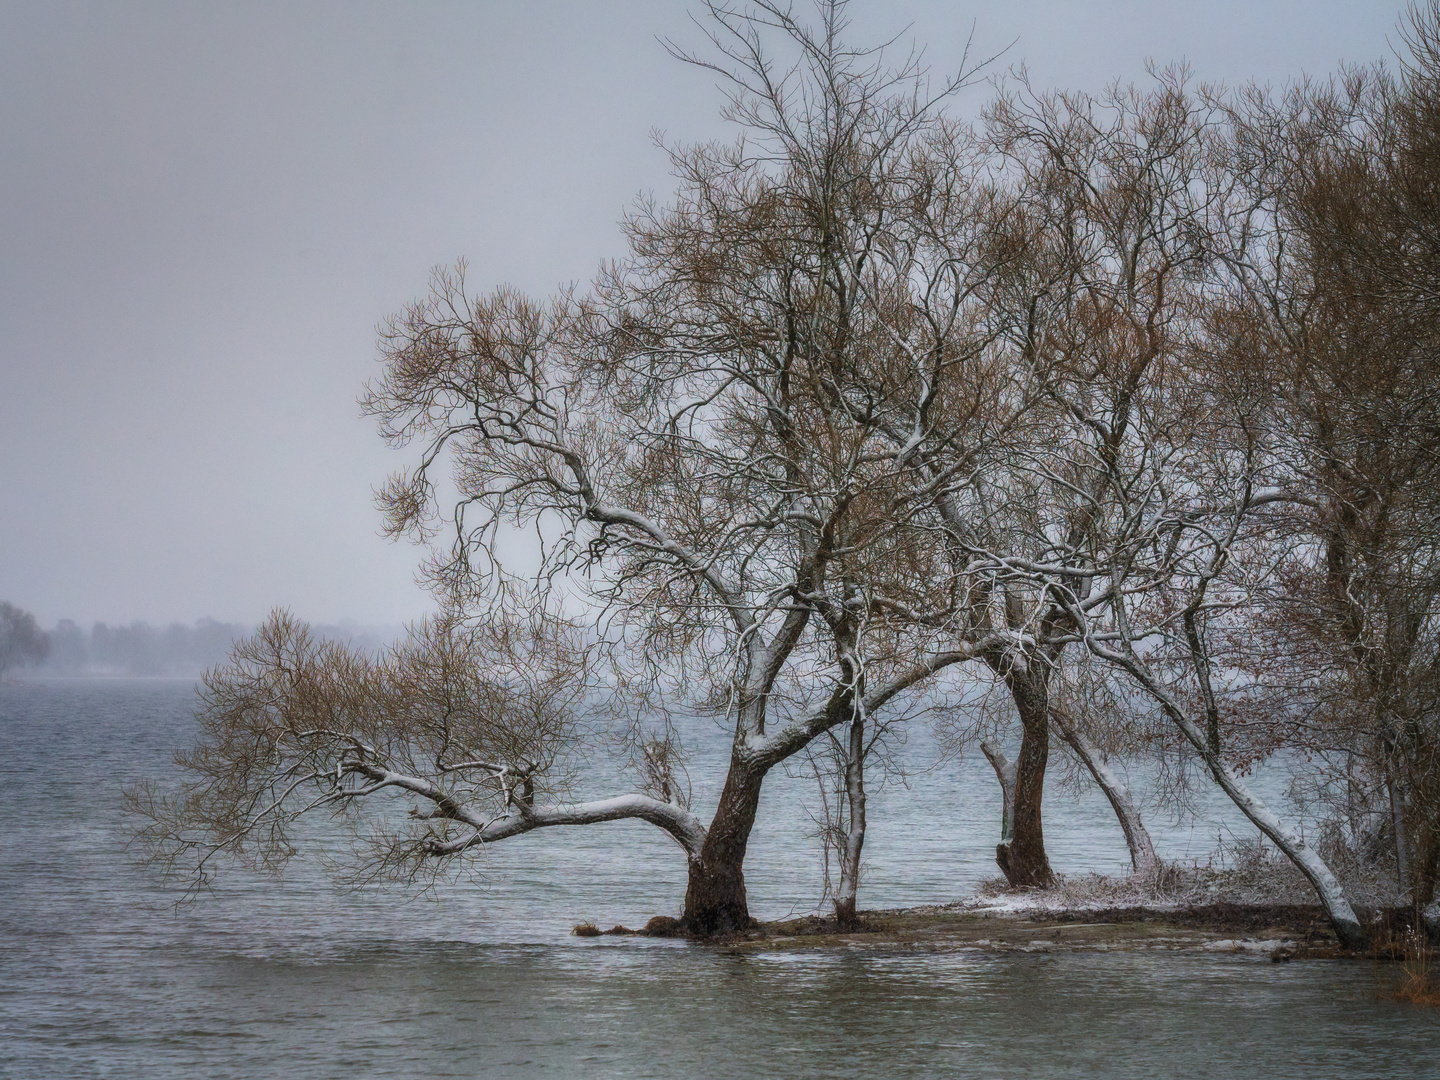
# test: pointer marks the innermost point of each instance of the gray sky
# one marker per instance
(206, 208)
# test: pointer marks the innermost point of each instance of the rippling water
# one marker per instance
(99, 976)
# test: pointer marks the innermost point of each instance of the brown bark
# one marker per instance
(715, 900)
(1402, 839)
(1023, 859)
(1426, 867)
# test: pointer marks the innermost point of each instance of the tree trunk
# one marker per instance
(1137, 838)
(1402, 839)
(1023, 859)
(1425, 867)
(1307, 861)
(1005, 773)
(845, 896)
(715, 901)
(1327, 887)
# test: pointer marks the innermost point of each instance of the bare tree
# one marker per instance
(1186, 550)
(1123, 528)
(465, 722)
(1106, 245)
(1340, 293)
(1200, 545)
(702, 445)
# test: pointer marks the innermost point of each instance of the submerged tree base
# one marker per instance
(659, 926)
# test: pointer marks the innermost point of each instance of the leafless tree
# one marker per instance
(1106, 245)
(1185, 549)
(1340, 293)
(1124, 527)
(702, 443)
(466, 722)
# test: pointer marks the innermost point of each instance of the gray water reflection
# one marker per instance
(98, 977)
(460, 1009)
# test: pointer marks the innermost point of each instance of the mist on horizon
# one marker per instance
(178, 650)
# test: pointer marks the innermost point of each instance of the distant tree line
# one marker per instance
(22, 642)
(139, 650)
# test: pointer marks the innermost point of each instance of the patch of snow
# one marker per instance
(1247, 945)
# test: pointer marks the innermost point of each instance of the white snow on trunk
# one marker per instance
(1005, 772)
(1306, 859)
(1142, 850)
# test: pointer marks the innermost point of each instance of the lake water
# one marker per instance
(101, 977)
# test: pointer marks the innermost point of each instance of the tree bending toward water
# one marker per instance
(469, 720)
(687, 435)
(874, 397)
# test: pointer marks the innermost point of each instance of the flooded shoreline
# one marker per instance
(1288, 931)
(1282, 931)
(103, 977)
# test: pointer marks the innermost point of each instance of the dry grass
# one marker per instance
(1417, 982)
(1244, 872)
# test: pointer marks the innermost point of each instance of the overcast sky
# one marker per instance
(208, 207)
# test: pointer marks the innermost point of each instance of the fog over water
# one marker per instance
(208, 207)
(177, 650)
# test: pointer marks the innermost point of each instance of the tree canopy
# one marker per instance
(1107, 398)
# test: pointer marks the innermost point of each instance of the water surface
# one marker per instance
(100, 977)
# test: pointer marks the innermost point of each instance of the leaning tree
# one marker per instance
(705, 444)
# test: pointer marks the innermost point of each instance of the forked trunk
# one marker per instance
(715, 900)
